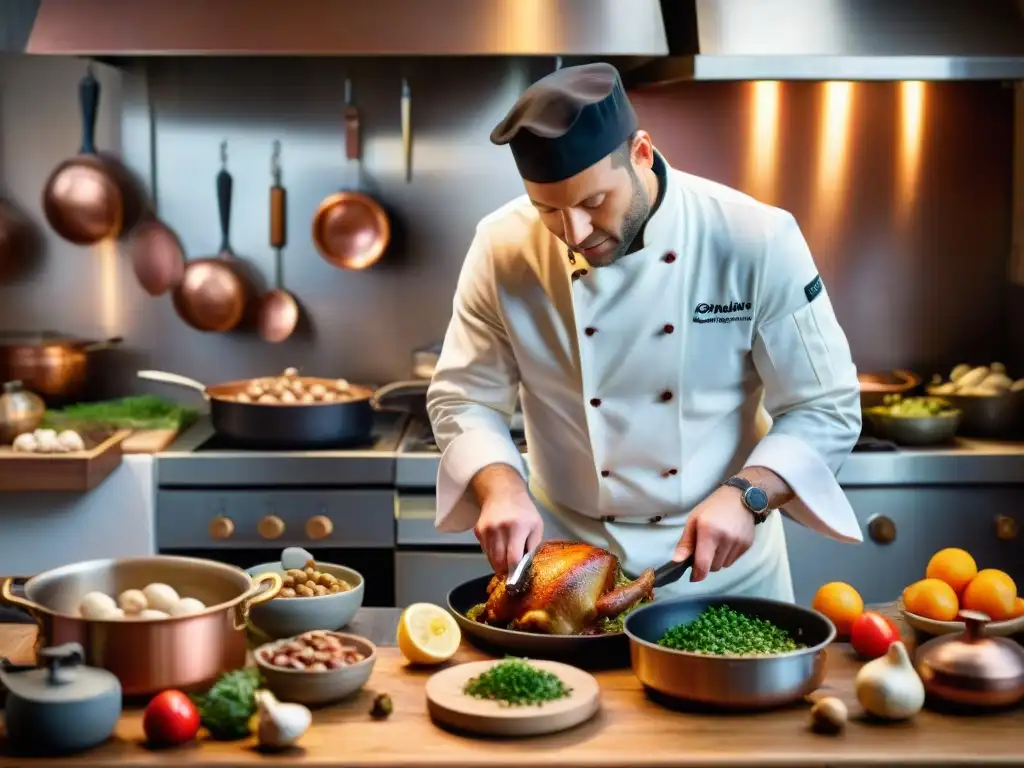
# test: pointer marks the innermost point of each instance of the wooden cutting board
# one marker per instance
(149, 440)
(449, 706)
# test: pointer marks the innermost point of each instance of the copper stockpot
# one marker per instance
(50, 364)
(185, 652)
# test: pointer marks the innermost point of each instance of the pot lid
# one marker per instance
(62, 678)
(973, 658)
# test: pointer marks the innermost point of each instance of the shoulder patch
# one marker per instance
(813, 288)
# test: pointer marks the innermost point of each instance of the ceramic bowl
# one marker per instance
(312, 688)
(933, 627)
(290, 616)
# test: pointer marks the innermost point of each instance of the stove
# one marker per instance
(202, 459)
(419, 457)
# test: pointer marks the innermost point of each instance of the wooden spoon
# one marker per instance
(279, 312)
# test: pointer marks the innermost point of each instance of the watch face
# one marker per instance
(757, 500)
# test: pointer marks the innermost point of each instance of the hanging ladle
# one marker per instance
(279, 312)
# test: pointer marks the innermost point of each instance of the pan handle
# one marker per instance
(89, 100)
(172, 378)
(101, 345)
(401, 387)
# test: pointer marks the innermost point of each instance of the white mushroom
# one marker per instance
(317, 390)
(25, 443)
(187, 606)
(132, 601)
(267, 399)
(71, 441)
(161, 597)
(288, 396)
(291, 371)
(241, 397)
(342, 385)
(151, 615)
(96, 605)
(46, 441)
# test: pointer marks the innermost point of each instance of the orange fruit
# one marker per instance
(954, 566)
(1018, 608)
(840, 603)
(931, 599)
(992, 592)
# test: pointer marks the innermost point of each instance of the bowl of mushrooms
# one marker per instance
(991, 401)
(316, 667)
(316, 596)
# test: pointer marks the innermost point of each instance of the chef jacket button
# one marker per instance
(590, 331)
(669, 257)
(595, 401)
(665, 396)
(607, 518)
(668, 328)
(670, 472)
(656, 519)
(605, 473)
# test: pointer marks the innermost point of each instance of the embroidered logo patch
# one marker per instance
(729, 312)
(813, 288)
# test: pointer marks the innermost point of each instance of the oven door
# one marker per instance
(429, 564)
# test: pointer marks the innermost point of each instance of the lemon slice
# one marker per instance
(427, 634)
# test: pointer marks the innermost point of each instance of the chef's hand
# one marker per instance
(508, 527)
(717, 532)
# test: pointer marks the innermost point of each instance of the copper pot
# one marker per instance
(184, 652)
(20, 411)
(49, 364)
(971, 669)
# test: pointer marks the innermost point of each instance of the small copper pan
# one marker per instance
(213, 293)
(279, 312)
(90, 198)
(351, 230)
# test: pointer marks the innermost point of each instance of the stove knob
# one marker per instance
(221, 528)
(319, 527)
(271, 527)
(1007, 528)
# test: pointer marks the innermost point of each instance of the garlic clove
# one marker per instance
(280, 725)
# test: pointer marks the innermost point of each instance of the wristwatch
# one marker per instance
(754, 498)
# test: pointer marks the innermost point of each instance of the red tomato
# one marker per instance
(170, 718)
(872, 634)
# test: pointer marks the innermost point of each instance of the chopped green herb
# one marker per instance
(722, 631)
(138, 412)
(514, 682)
(225, 709)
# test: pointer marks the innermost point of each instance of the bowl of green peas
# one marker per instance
(729, 652)
(914, 421)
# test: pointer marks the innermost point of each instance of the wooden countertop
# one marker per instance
(629, 731)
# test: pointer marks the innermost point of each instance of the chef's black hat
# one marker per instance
(566, 122)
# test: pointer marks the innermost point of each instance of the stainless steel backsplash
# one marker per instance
(924, 287)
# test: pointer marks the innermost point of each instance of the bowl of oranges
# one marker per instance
(953, 583)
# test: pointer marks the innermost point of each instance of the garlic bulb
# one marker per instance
(889, 687)
(279, 725)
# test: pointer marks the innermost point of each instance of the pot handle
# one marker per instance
(397, 387)
(255, 596)
(101, 345)
(7, 596)
(172, 378)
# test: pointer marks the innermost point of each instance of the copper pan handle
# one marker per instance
(174, 379)
(254, 597)
(8, 596)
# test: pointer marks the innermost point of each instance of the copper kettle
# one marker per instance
(971, 669)
(20, 411)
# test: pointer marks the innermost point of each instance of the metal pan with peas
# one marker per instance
(728, 652)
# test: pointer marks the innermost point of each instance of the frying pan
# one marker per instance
(351, 230)
(283, 426)
(158, 258)
(90, 198)
(610, 651)
(213, 294)
(279, 312)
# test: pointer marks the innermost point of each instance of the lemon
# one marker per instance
(427, 634)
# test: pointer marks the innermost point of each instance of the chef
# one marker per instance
(645, 319)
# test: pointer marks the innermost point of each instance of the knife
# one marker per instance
(519, 580)
(670, 573)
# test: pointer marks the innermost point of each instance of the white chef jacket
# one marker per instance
(641, 382)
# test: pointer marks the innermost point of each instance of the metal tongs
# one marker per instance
(518, 581)
(671, 572)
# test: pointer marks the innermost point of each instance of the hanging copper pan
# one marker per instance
(213, 293)
(90, 198)
(351, 230)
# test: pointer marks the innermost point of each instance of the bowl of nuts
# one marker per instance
(316, 667)
(317, 596)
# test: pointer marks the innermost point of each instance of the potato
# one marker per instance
(959, 372)
(948, 388)
(972, 378)
(997, 368)
(1017, 386)
(1000, 382)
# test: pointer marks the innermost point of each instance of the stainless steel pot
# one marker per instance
(729, 682)
(186, 652)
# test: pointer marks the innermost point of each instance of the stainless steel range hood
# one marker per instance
(128, 28)
(839, 40)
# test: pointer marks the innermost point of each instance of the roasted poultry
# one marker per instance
(571, 587)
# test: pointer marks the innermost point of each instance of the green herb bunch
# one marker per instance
(515, 682)
(226, 708)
